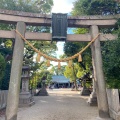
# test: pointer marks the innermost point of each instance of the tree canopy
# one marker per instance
(71, 48)
(95, 7)
(7, 45)
(37, 6)
(110, 49)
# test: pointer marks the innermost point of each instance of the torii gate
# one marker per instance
(23, 18)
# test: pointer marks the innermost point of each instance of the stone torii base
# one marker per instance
(92, 101)
(85, 92)
(98, 118)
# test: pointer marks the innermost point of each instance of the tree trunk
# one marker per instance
(75, 85)
(75, 78)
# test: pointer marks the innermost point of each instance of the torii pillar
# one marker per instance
(15, 78)
(99, 75)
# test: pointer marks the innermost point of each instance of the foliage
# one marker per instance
(6, 78)
(39, 6)
(38, 78)
(111, 60)
(73, 72)
(6, 45)
(69, 73)
(80, 30)
(2, 68)
(110, 49)
(71, 48)
(95, 7)
(55, 71)
(33, 81)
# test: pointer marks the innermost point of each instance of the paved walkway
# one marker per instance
(59, 105)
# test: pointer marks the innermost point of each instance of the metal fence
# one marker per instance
(3, 98)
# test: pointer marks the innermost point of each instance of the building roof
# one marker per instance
(60, 79)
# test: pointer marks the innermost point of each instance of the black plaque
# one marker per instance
(59, 27)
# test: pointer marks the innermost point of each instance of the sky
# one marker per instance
(62, 6)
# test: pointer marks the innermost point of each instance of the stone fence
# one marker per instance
(114, 103)
(3, 98)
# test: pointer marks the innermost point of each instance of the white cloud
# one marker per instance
(62, 6)
(60, 49)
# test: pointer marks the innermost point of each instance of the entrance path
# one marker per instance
(61, 104)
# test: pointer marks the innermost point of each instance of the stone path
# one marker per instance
(59, 105)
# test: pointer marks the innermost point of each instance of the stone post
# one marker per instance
(99, 75)
(15, 78)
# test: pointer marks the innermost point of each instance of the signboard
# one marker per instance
(59, 27)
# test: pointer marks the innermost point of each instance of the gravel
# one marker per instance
(61, 104)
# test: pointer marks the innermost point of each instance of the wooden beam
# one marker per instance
(38, 15)
(7, 34)
(38, 36)
(45, 20)
(48, 36)
(105, 37)
(87, 23)
(79, 37)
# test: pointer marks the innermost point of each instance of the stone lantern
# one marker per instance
(26, 98)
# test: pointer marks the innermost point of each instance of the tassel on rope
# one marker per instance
(70, 63)
(48, 63)
(59, 65)
(38, 58)
(79, 58)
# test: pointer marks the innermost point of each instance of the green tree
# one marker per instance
(73, 72)
(109, 49)
(38, 78)
(37, 6)
(7, 45)
(95, 7)
(2, 68)
(111, 60)
(71, 48)
(55, 71)
(6, 78)
(6, 51)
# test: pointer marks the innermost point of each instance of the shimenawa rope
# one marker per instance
(55, 59)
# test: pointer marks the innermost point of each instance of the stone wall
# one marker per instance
(114, 103)
(3, 98)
